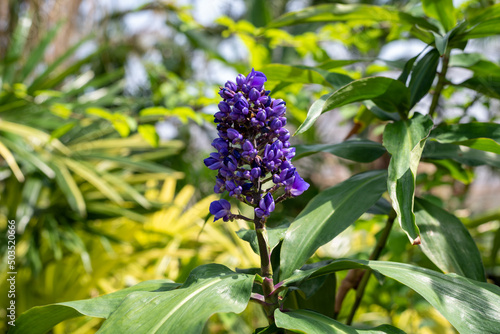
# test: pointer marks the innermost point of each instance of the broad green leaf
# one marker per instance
(405, 141)
(483, 29)
(351, 12)
(41, 319)
(309, 322)
(480, 136)
(441, 10)
(148, 132)
(488, 85)
(470, 306)
(462, 154)
(360, 150)
(446, 241)
(209, 289)
(389, 94)
(316, 294)
(422, 76)
(69, 188)
(327, 215)
(274, 235)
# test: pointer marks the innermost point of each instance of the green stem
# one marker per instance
(441, 83)
(266, 269)
(382, 241)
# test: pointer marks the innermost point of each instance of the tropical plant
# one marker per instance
(300, 287)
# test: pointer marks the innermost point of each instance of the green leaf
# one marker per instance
(274, 235)
(405, 141)
(69, 188)
(295, 74)
(446, 241)
(470, 306)
(480, 136)
(93, 178)
(309, 322)
(455, 169)
(351, 12)
(422, 76)
(441, 10)
(360, 150)
(488, 85)
(148, 132)
(327, 215)
(462, 154)
(389, 94)
(41, 319)
(483, 29)
(316, 294)
(209, 289)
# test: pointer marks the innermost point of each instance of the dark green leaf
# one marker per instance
(423, 75)
(209, 289)
(360, 150)
(488, 85)
(389, 94)
(480, 136)
(446, 241)
(405, 141)
(327, 215)
(462, 154)
(309, 322)
(41, 319)
(317, 294)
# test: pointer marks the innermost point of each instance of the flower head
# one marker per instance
(253, 145)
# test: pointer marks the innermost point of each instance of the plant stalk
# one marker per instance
(441, 83)
(266, 269)
(382, 241)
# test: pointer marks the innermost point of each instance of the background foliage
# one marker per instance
(104, 123)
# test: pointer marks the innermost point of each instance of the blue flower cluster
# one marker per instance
(252, 148)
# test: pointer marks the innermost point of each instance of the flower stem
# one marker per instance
(441, 83)
(360, 290)
(266, 269)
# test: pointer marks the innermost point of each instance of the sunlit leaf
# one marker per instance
(41, 319)
(446, 241)
(209, 289)
(389, 94)
(327, 215)
(405, 142)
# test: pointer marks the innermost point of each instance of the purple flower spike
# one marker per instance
(253, 146)
(266, 206)
(221, 209)
(298, 186)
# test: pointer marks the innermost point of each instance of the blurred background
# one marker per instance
(106, 116)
